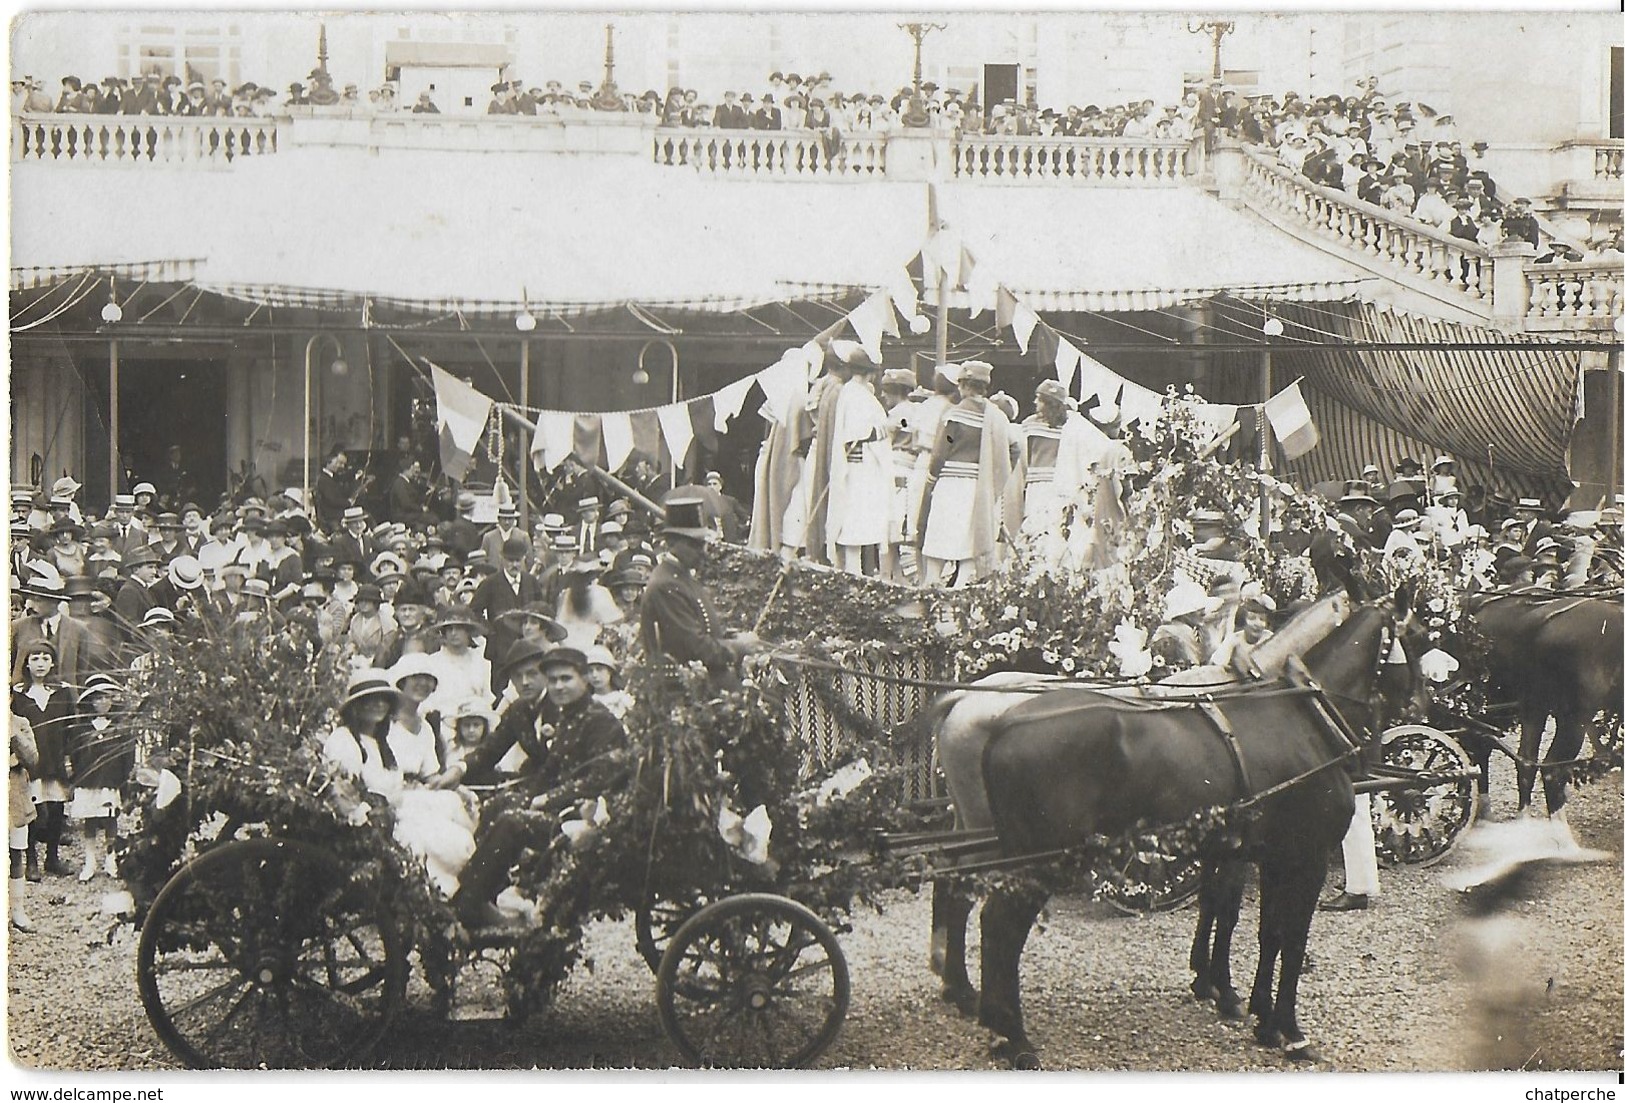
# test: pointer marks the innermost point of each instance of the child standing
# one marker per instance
(49, 707)
(103, 756)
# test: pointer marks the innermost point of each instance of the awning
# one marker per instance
(489, 232)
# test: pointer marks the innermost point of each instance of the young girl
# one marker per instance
(103, 758)
(602, 673)
(437, 825)
(49, 707)
(469, 727)
(1235, 654)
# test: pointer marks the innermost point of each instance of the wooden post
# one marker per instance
(524, 461)
(1264, 446)
(114, 464)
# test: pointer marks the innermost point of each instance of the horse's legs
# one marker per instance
(1532, 721)
(950, 912)
(1566, 746)
(1262, 1000)
(1220, 900)
(1297, 888)
(1233, 880)
(1007, 919)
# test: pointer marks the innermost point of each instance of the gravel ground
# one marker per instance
(1392, 989)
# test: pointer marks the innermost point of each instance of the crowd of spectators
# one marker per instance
(1405, 157)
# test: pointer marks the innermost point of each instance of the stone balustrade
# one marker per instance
(1110, 161)
(139, 139)
(1568, 296)
(1389, 239)
(784, 154)
(1607, 160)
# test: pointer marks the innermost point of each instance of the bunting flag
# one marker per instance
(1215, 417)
(1097, 378)
(678, 432)
(460, 415)
(1139, 404)
(1004, 308)
(1067, 357)
(729, 400)
(870, 319)
(904, 295)
(1289, 416)
(1024, 323)
(555, 439)
(782, 383)
(618, 439)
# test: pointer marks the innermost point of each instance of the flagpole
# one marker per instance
(934, 217)
(524, 465)
(1264, 448)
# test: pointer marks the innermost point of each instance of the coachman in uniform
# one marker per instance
(677, 622)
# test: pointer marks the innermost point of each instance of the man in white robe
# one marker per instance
(860, 473)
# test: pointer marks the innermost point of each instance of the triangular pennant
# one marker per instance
(982, 290)
(1004, 307)
(702, 415)
(782, 383)
(618, 440)
(1097, 378)
(646, 433)
(1046, 343)
(589, 438)
(1066, 364)
(1140, 404)
(677, 431)
(815, 359)
(868, 323)
(967, 267)
(728, 400)
(904, 295)
(1023, 323)
(555, 437)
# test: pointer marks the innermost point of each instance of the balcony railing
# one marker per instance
(1607, 160)
(787, 154)
(139, 139)
(1076, 160)
(1588, 293)
(1390, 239)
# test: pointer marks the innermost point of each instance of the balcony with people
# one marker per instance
(1387, 184)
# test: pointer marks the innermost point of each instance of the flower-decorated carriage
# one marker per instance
(279, 913)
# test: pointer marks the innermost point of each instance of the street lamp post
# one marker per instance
(1218, 28)
(338, 363)
(916, 114)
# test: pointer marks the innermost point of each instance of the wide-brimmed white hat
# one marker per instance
(411, 663)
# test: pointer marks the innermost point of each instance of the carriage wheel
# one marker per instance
(1419, 825)
(658, 919)
(263, 953)
(1152, 884)
(753, 981)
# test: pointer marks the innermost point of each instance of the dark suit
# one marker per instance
(677, 624)
(768, 118)
(575, 760)
(495, 596)
(332, 496)
(132, 604)
(461, 536)
(89, 645)
(362, 549)
(131, 537)
(24, 631)
(491, 544)
(730, 116)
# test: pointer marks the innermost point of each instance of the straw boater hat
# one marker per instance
(370, 682)
(185, 573)
(157, 615)
(410, 664)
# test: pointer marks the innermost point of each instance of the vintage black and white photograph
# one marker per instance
(813, 540)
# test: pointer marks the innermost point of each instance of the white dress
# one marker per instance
(860, 474)
(435, 824)
(459, 678)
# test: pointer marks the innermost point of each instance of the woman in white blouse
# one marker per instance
(403, 767)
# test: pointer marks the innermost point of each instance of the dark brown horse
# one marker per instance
(1558, 656)
(1075, 763)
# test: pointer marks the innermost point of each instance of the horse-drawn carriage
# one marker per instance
(267, 948)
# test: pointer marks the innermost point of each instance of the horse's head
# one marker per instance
(1349, 662)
